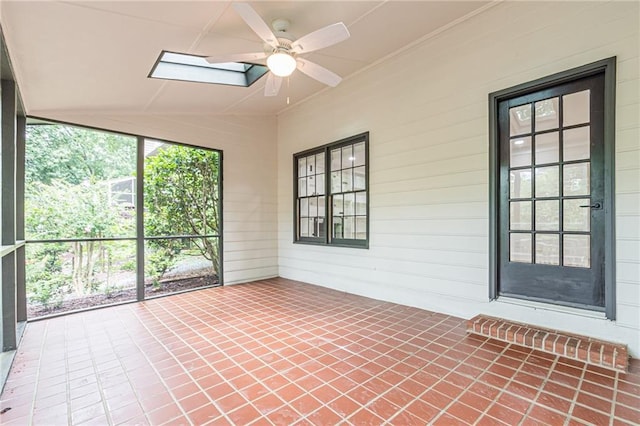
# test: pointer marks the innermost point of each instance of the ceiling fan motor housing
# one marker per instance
(284, 37)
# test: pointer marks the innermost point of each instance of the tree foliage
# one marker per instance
(75, 155)
(62, 210)
(181, 198)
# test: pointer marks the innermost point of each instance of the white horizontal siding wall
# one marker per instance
(427, 113)
(249, 187)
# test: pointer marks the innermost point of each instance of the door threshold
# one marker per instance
(583, 312)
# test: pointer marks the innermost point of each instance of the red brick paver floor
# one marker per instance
(283, 352)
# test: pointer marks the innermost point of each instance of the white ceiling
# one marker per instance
(94, 56)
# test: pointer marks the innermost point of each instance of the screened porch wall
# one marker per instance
(427, 113)
(248, 147)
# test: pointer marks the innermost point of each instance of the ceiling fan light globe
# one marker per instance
(281, 64)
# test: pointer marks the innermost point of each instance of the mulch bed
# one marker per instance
(127, 295)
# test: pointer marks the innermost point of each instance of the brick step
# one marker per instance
(613, 356)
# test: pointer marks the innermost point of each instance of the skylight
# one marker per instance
(179, 66)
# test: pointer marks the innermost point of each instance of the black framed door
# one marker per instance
(551, 194)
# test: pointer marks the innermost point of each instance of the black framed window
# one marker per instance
(331, 193)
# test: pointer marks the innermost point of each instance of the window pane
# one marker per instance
(311, 165)
(349, 204)
(547, 148)
(319, 163)
(358, 153)
(338, 205)
(520, 183)
(313, 206)
(347, 180)
(520, 152)
(311, 185)
(546, 114)
(576, 218)
(547, 181)
(337, 227)
(304, 227)
(548, 249)
(349, 228)
(520, 248)
(335, 159)
(576, 179)
(576, 144)
(321, 212)
(547, 215)
(520, 120)
(575, 108)
(302, 167)
(361, 203)
(520, 216)
(302, 187)
(336, 182)
(361, 228)
(577, 251)
(320, 184)
(320, 227)
(313, 226)
(359, 178)
(347, 156)
(304, 207)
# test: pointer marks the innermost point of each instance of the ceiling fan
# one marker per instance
(282, 53)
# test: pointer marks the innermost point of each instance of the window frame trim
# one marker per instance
(608, 68)
(326, 149)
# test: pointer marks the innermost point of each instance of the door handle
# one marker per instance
(594, 206)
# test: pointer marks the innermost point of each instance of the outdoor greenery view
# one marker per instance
(80, 217)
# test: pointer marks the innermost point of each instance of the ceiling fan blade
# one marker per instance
(256, 23)
(273, 85)
(324, 37)
(318, 72)
(236, 57)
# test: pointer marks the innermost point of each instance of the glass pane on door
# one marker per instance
(577, 251)
(520, 248)
(520, 183)
(547, 215)
(576, 215)
(548, 249)
(546, 114)
(576, 108)
(576, 144)
(520, 120)
(547, 148)
(547, 181)
(520, 219)
(520, 152)
(576, 179)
